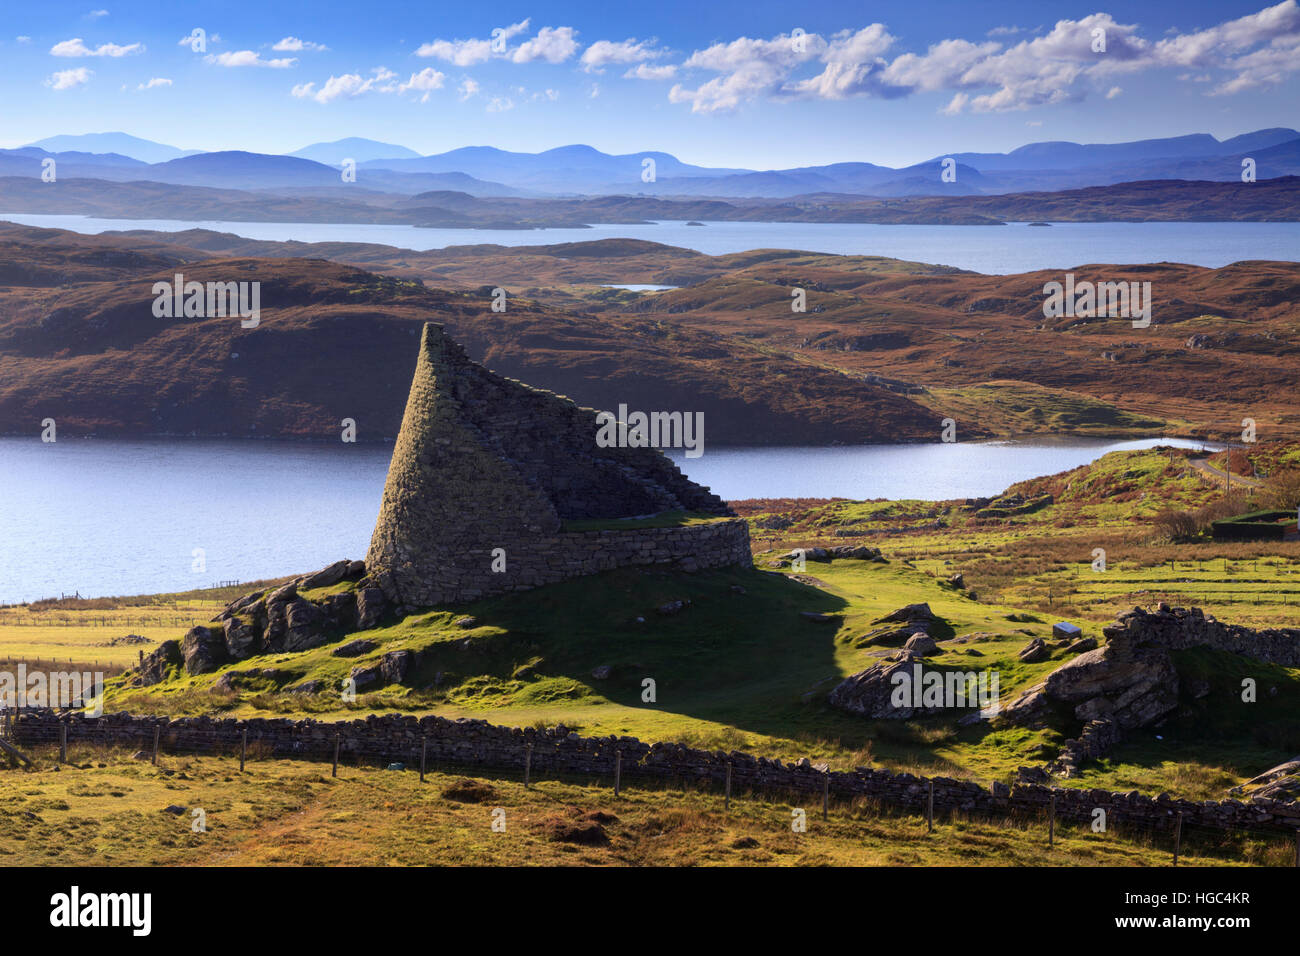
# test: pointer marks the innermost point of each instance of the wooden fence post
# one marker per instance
(528, 764)
(618, 771)
(727, 805)
(1178, 835)
(157, 734)
(243, 748)
(335, 772)
(424, 753)
(1051, 823)
(826, 795)
(929, 808)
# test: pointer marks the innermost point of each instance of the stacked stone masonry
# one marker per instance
(487, 470)
(476, 743)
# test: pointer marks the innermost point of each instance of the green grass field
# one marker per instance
(740, 667)
(104, 808)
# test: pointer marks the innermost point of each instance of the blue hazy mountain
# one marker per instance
(354, 148)
(146, 151)
(584, 170)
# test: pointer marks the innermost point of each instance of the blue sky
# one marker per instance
(759, 85)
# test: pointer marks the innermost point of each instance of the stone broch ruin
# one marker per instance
(487, 471)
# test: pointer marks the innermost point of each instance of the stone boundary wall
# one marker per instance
(535, 561)
(1180, 629)
(558, 751)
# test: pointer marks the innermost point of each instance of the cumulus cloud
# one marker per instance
(603, 53)
(647, 71)
(468, 88)
(423, 82)
(380, 80)
(748, 69)
(471, 51)
(552, 44)
(1067, 62)
(249, 58)
(499, 104)
(77, 47)
(295, 45)
(67, 79)
(155, 83)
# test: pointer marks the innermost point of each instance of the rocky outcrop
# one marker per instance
(921, 644)
(156, 666)
(1133, 687)
(899, 626)
(1035, 651)
(1278, 783)
(273, 622)
(1131, 681)
(204, 649)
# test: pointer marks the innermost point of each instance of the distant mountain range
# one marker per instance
(485, 171)
(142, 150)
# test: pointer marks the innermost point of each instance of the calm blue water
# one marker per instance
(996, 250)
(108, 517)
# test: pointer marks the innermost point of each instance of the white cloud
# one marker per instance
(23, 39)
(77, 47)
(468, 88)
(459, 52)
(154, 83)
(380, 80)
(748, 68)
(1064, 63)
(602, 53)
(471, 51)
(295, 45)
(499, 104)
(96, 14)
(248, 58)
(425, 82)
(645, 71)
(854, 65)
(1205, 47)
(67, 79)
(552, 44)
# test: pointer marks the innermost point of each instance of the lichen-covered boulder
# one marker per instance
(204, 649)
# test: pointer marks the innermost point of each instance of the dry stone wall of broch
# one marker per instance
(556, 750)
(484, 463)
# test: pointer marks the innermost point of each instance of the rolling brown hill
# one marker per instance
(884, 351)
(79, 343)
